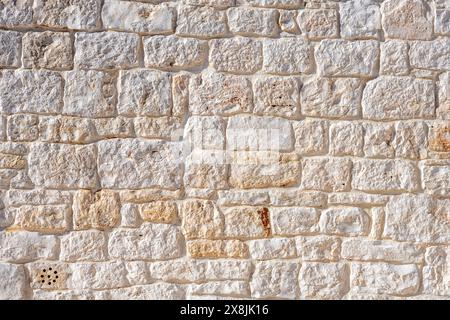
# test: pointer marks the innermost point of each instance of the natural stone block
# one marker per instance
(145, 93)
(318, 248)
(345, 221)
(430, 54)
(242, 197)
(285, 4)
(442, 22)
(63, 166)
(236, 55)
(154, 291)
(206, 169)
(277, 96)
(323, 280)
(138, 17)
(443, 86)
(346, 139)
(129, 215)
(99, 210)
(247, 222)
(47, 219)
(267, 249)
(149, 242)
(275, 279)
(36, 197)
(385, 278)
(378, 138)
(10, 48)
(174, 53)
(294, 221)
(225, 288)
(410, 140)
(12, 161)
(436, 177)
(327, 174)
(68, 14)
(106, 50)
(204, 22)
(201, 219)
(16, 13)
(438, 139)
(214, 93)
(395, 98)
(253, 22)
(134, 164)
(30, 91)
(394, 58)
(67, 130)
(347, 58)
(180, 94)
(83, 246)
(217, 249)
(385, 175)
(336, 98)
(297, 197)
(318, 24)
(23, 127)
(90, 94)
(287, 56)
(407, 19)
(360, 19)
(22, 246)
(12, 280)
(98, 276)
(205, 133)
(159, 212)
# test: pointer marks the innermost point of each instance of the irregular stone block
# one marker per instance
(106, 50)
(347, 58)
(236, 55)
(138, 17)
(157, 128)
(232, 288)
(410, 140)
(294, 221)
(285, 4)
(275, 279)
(154, 291)
(10, 48)
(247, 222)
(67, 130)
(242, 197)
(212, 3)
(201, 219)
(443, 85)
(318, 248)
(360, 18)
(253, 22)
(323, 280)
(345, 221)
(287, 56)
(23, 127)
(12, 280)
(63, 166)
(30, 91)
(394, 58)
(173, 53)
(206, 169)
(395, 98)
(268, 249)
(327, 174)
(159, 212)
(318, 24)
(297, 197)
(430, 54)
(205, 133)
(134, 164)
(378, 138)
(16, 13)
(98, 276)
(214, 93)
(21, 246)
(83, 246)
(346, 139)
(204, 22)
(38, 197)
(48, 219)
(436, 177)
(149, 242)
(130, 217)
(217, 249)
(442, 22)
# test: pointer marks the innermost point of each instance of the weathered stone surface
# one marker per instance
(327, 174)
(383, 278)
(297, 197)
(345, 221)
(287, 4)
(201, 219)
(205, 22)
(215, 93)
(145, 93)
(30, 91)
(277, 248)
(247, 222)
(48, 219)
(294, 221)
(174, 53)
(347, 58)
(129, 215)
(436, 178)
(360, 18)
(63, 166)
(212, 3)
(154, 128)
(318, 24)
(410, 140)
(442, 22)
(395, 98)
(318, 248)
(407, 19)
(275, 279)
(438, 138)
(261, 169)
(323, 280)
(68, 14)
(38, 197)
(378, 139)
(236, 55)
(138, 17)
(253, 133)
(70, 295)
(205, 133)
(253, 22)
(385, 175)
(89, 94)
(154, 291)
(346, 139)
(106, 50)
(24, 246)
(430, 54)
(375, 250)
(50, 50)
(217, 249)
(23, 127)
(435, 273)
(336, 98)
(287, 56)
(16, 13)
(132, 163)
(357, 198)
(394, 58)
(12, 281)
(417, 218)
(206, 169)
(277, 96)
(100, 275)
(48, 275)
(10, 48)
(244, 197)
(159, 212)
(149, 242)
(83, 246)
(234, 288)
(67, 130)
(443, 85)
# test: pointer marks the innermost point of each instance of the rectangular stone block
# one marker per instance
(275, 279)
(22, 246)
(236, 55)
(10, 48)
(326, 174)
(430, 54)
(12, 282)
(436, 177)
(16, 13)
(83, 246)
(324, 281)
(203, 22)
(286, 56)
(253, 22)
(345, 221)
(294, 221)
(46, 219)
(318, 23)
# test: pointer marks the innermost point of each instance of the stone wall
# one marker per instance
(224, 149)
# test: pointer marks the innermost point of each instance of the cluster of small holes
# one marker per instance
(48, 276)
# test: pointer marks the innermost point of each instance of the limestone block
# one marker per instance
(83, 246)
(318, 24)
(360, 18)
(10, 48)
(23, 246)
(201, 219)
(294, 221)
(12, 282)
(327, 174)
(275, 279)
(323, 280)
(16, 13)
(267, 249)
(253, 22)
(236, 55)
(318, 248)
(204, 22)
(217, 249)
(287, 56)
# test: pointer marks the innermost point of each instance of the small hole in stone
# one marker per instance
(44, 270)
(50, 269)
(55, 272)
(54, 280)
(43, 281)
(48, 276)
(42, 275)
(56, 277)
(49, 283)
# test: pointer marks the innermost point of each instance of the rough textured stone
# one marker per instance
(154, 291)
(346, 139)
(311, 137)
(294, 221)
(159, 212)
(436, 178)
(394, 98)
(378, 139)
(23, 127)
(106, 50)
(275, 279)
(410, 140)
(287, 56)
(272, 249)
(394, 58)
(10, 48)
(173, 53)
(48, 219)
(287, 4)
(101, 275)
(201, 219)
(247, 222)
(16, 13)
(318, 24)
(323, 280)
(347, 58)
(217, 249)
(12, 282)
(237, 55)
(345, 221)
(360, 18)
(442, 22)
(83, 246)
(430, 54)
(26, 246)
(318, 248)
(138, 17)
(205, 22)
(253, 22)
(327, 174)
(443, 85)
(149, 242)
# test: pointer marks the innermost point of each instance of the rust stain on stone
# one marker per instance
(264, 216)
(441, 141)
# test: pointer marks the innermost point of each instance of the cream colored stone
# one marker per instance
(360, 19)
(10, 48)
(318, 24)
(201, 219)
(311, 137)
(204, 22)
(12, 282)
(294, 221)
(394, 59)
(48, 50)
(287, 56)
(275, 279)
(236, 55)
(318, 248)
(346, 139)
(345, 221)
(154, 291)
(159, 212)
(378, 139)
(326, 174)
(22, 246)
(217, 249)
(323, 280)
(267, 249)
(46, 219)
(253, 22)
(83, 246)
